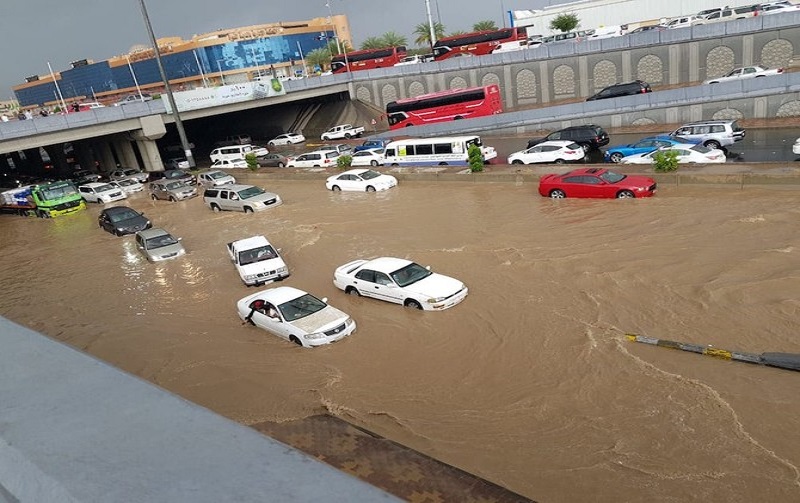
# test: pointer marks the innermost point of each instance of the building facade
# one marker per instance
(223, 56)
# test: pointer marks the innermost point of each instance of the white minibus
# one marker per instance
(444, 151)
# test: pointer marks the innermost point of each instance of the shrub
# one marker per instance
(344, 161)
(665, 161)
(252, 161)
(475, 158)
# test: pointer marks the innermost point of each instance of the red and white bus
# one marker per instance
(476, 43)
(368, 59)
(453, 104)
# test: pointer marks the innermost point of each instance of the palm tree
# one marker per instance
(456, 33)
(318, 57)
(372, 43)
(484, 25)
(423, 33)
(393, 39)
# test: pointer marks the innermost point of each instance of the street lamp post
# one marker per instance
(430, 22)
(135, 82)
(336, 36)
(178, 123)
(221, 75)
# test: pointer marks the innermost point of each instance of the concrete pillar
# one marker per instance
(102, 150)
(674, 64)
(544, 82)
(760, 107)
(125, 153)
(84, 154)
(150, 155)
(58, 161)
(583, 76)
(35, 163)
(18, 162)
(473, 77)
(508, 87)
(627, 71)
(402, 92)
(747, 50)
(694, 62)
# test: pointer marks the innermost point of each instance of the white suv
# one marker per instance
(712, 133)
(316, 159)
(99, 192)
(235, 197)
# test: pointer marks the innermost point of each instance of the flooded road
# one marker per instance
(529, 383)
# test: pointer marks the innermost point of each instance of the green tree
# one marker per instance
(484, 25)
(423, 33)
(344, 161)
(565, 23)
(665, 161)
(319, 57)
(252, 161)
(475, 158)
(372, 43)
(393, 39)
(456, 33)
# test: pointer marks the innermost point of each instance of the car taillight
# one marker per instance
(780, 70)
(327, 160)
(569, 151)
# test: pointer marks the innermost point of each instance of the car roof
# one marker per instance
(119, 209)
(152, 232)
(560, 143)
(253, 241)
(94, 184)
(277, 295)
(209, 171)
(233, 186)
(355, 171)
(585, 171)
(386, 264)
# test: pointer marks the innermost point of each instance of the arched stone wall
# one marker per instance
(526, 85)
(777, 53)
(643, 121)
(364, 94)
(719, 61)
(650, 69)
(457, 82)
(415, 89)
(727, 114)
(604, 74)
(789, 109)
(388, 93)
(563, 80)
(490, 78)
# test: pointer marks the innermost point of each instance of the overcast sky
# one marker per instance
(37, 31)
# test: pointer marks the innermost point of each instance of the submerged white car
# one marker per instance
(214, 178)
(400, 281)
(369, 157)
(360, 180)
(287, 139)
(128, 185)
(296, 316)
(686, 155)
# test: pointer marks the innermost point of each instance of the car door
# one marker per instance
(105, 223)
(533, 155)
(374, 284)
(88, 194)
(277, 326)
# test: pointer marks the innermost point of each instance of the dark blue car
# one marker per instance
(643, 146)
(370, 144)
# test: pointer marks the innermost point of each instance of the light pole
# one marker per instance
(430, 22)
(302, 58)
(336, 36)
(135, 82)
(60, 96)
(178, 123)
(221, 75)
(200, 68)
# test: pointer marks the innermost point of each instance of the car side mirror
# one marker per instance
(325, 300)
(428, 267)
(180, 239)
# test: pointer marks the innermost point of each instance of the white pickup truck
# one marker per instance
(257, 261)
(341, 131)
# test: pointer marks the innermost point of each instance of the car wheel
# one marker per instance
(558, 194)
(616, 157)
(457, 118)
(559, 161)
(153, 196)
(295, 340)
(172, 199)
(370, 188)
(347, 136)
(442, 164)
(351, 290)
(413, 304)
(248, 209)
(517, 161)
(336, 188)
(712, 144)
(271, 144)
(117, 232)
(625, 194)
(281, 165)
(215, 207)
(373, 162)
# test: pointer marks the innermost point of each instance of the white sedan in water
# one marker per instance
(557, 151)
(400, 281)
(686, 155)
(360, 180)
(296, 316)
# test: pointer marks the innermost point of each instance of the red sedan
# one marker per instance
(596, 182)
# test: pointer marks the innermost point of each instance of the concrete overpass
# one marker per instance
(529, 79)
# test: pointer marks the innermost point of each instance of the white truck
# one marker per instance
(257, 261)
(341, 131)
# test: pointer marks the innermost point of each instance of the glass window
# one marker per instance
(366, 275)
(424, 149)
(443, 148)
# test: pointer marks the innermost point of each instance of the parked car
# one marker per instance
(237, 197)
(596, 182)
(643, 146)
(296, 316)
(373, 157)
(177, 163)
(316, 159)
(121, 220)
(588, 136)
(341, 148)
(134, 98)
(229, 163)
(778, 8)
(273, 160)
(413, 60)
(711, 133)
(172, 190)
(617, 90)
(233, 152)
(99, 192)
(649, 27)
(214, 178)
(81, 176)
(123, 173)
(557, 151)
(796, 147)
(400, 281)
(729, 14)
(234, 139)
(342, 131)
(174, 175)
(287, 139)
(128, 185)
(158, 245)
(372, 144)
(746, 72)
(686, 155)
(685, 21)
(360, 180)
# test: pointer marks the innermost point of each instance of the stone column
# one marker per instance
(84, 155)
(103, 151)
(125, 153)
(150, 155)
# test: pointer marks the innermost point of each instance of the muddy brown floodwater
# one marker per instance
(529, 383)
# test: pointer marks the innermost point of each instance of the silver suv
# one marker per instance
(246, 198)
(172, 190)
(712, 134)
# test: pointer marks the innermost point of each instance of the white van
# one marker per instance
(445, 151)
(233, 152)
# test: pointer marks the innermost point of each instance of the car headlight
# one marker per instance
(641, 189)
(283, 270)
(436, 300)
(250, 277)
(314, 336)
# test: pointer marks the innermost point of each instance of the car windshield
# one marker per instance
(612, 177)
(119, 216)
(250, 192)
(214, 175)
(103, 188)
(174, 174)
(266, 252)
(160, 241)
(301, 307)
(369, 175)
(409, 274)
(126, 182)
(58, 192)
(702, 149)
(174, 185)
(129, 172)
